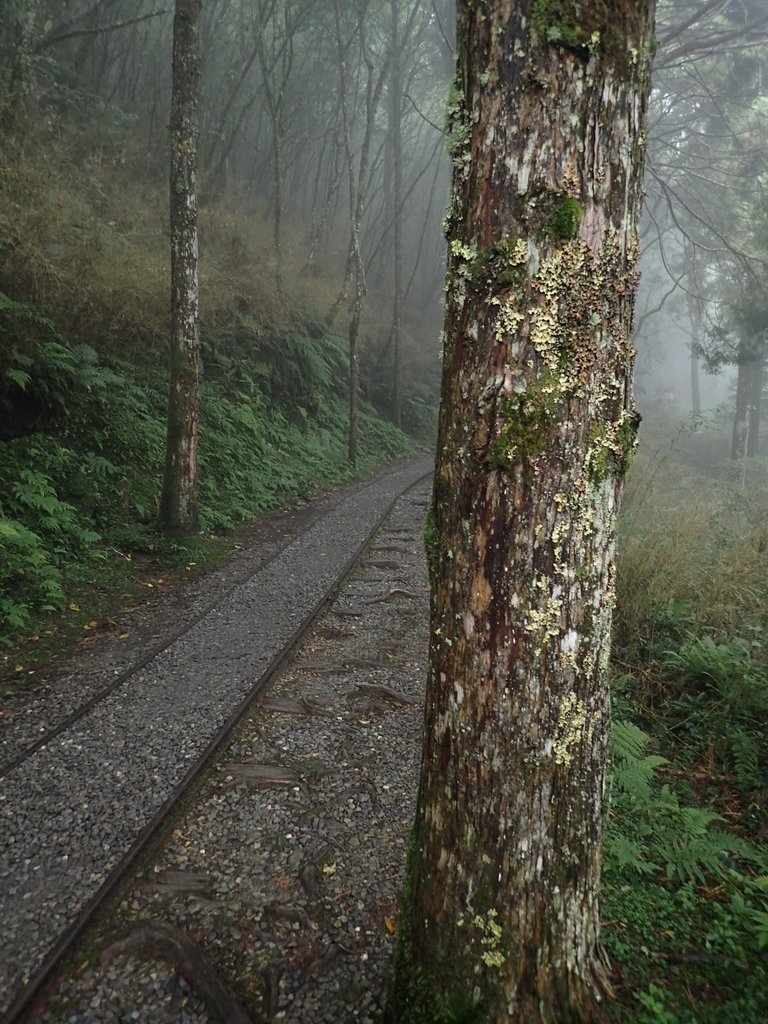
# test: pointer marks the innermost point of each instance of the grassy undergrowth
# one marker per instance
(685, 899)
(83, 372)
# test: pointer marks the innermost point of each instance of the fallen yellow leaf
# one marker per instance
(390, 925)
(329, 869)
(74, 607)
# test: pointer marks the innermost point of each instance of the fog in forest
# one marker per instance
(315, 155)
(298, 100)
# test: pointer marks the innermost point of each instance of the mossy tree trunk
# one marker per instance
(178, 505)
(500, 915)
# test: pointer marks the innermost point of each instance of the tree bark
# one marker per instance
(277, 222)
(741, 413)
(395, 128)
(537, 427)
(695, 365)
(14, 107)
(756, 381)
(357, 190)
(178, 506)
(750, 369)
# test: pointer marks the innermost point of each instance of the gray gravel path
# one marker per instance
(70, 812)
(287, 867)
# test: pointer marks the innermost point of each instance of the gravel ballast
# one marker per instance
(70, 812)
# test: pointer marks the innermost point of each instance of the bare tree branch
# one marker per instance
(55, 39)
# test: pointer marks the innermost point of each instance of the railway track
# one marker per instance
(82, 803)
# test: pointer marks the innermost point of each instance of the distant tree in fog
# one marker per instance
(707, 135)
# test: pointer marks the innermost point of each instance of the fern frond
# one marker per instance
(623, 853)
(745, 755)
(636, 778)
(629, 741)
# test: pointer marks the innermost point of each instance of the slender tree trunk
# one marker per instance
(14, 106)
(320, 226)
(755, 401)
(744, 372)
(695, 383)
(357, 186)
(696, 363)
(354, 366)
(277, 154)
(396, 111)
(178, 506)
(217, 144)
(354, 259)
(500, 917)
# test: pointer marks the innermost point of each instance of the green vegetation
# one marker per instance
(562, 22)
(83, 372)
(551, 20)
(612, 447)
(685, 900)
(562, 219)
(527, 420)
(587, 28)
(458, 131)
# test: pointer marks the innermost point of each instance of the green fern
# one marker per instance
(649, 827)
(745, 754)
(634, 771)
(29, 583)
(701, 659)
(722, 703)
(636, 778)
(621, 852)
(629, 741)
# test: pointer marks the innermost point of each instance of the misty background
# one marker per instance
(275, 176)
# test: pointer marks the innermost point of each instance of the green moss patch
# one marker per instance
(527, 421)
(562, 218)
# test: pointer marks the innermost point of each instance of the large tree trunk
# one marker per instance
(178, 507)
(537, 426)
